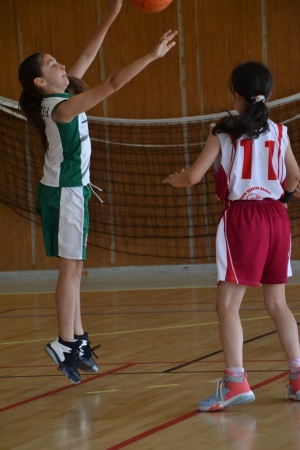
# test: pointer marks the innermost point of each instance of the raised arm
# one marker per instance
(67, 110)
(91, 47)
(194, 174)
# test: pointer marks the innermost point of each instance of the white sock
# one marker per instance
(294, 365)
(236, 371)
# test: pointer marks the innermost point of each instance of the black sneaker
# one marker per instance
(85, 359)
(65, 357)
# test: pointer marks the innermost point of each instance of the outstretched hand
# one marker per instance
(164, 44)
(172, 178)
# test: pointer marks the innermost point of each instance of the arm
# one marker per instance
(66, 111)
(292, 170)
(194, 174)
(297, 193)
(91, 47)
(292, 175)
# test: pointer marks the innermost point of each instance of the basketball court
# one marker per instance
(160, 354)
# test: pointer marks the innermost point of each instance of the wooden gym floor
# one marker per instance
(160, 354)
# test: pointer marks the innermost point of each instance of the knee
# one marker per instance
(223, 308)
(275, 308)
(78, 268)
(71, 267)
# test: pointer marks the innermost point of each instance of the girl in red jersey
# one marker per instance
(256, 174)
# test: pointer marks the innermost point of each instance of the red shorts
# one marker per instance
(254, 243)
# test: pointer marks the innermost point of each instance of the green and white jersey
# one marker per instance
(67, 159)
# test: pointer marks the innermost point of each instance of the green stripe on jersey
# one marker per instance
(70, 173)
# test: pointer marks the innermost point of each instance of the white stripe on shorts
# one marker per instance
(71, 221)
(223, 251)
(221, 259)
(289, 267)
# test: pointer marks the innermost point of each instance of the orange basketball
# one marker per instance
(151, 6)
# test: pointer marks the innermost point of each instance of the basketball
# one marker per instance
(151, 6)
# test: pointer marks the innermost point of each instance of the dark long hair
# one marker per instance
(31, 98)
(248, 80)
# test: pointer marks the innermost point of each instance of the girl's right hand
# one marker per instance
(114, 6)
(171, 179)
(164, 44)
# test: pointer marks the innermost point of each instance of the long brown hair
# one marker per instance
(31, 98)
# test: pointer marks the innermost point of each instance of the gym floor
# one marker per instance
(160, 354)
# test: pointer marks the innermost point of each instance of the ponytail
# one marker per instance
(30, 98)
(31, 106)
(252, 122)
(253, 81)
(76, 86)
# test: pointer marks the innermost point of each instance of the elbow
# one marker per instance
(192, 176)
(114, 83)
(190, 180)
(296, 176)
(293, 179)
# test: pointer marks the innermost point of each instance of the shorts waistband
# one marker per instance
(250, 202)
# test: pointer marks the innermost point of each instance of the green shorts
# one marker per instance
(65, 220)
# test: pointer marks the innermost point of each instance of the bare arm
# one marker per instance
(292, 170)
(194, 174)
(66, 111)
(91, 47)
(292, 174)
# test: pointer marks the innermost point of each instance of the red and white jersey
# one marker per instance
(252, 169)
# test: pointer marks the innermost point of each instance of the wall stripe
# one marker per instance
(187, 159)
(264, 32)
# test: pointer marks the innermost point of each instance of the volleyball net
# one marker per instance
(130, 158)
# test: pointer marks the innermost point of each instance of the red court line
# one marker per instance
(269, 380)
(153, 430)
(165, 425)
(64, 388)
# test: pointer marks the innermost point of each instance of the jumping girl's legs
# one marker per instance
(64, 350)
(275, 303)
(85, 355)
(68, 299)
(71, 350)
(233, 388)
(78, 328)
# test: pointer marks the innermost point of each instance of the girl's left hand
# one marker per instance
(164, 44)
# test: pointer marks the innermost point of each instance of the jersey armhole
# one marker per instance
(53, 111)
